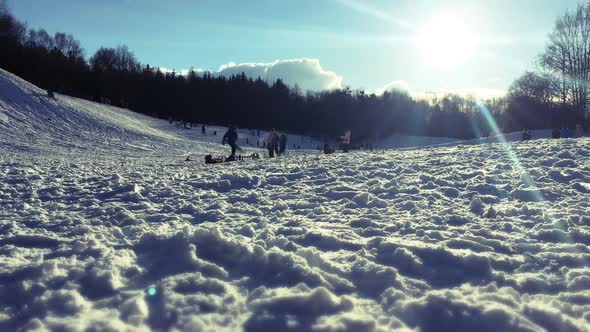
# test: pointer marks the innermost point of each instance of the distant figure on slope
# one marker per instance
(328, 149)
(526, 135)
(564, 132)
(272, 141)
(346, 140)
(231, 138)
(555, 133)
(282, 144)
(579, 131)
(203, 130)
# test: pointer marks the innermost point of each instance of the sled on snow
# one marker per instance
(209, 159)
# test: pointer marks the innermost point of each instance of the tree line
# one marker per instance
(114, 75)
(557, 92)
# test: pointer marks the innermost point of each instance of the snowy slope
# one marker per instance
(398, 141)
(33, 123)
(489, 237)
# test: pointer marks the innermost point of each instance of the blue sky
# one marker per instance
(367, 44)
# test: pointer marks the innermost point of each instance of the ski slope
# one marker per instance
(33, 123)
(103, 227)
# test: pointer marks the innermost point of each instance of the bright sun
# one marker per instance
(446, 41)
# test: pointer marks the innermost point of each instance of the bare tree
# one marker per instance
(6, 20)
(120, 59)
(39, 38)
(68, 45)
(4, 8)
(61, 42)
(126, 60)
(103, 59)
(567, 58)
(9, 26)
(538, 87)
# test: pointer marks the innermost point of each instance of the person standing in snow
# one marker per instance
(203, 130)
(282, 144)
(231, 138)
(526, 135)
(328, 149)
(346, 140)
(579, 131)
(272, 141)
(564, 132)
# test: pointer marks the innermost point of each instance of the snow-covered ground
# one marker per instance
(103, 227)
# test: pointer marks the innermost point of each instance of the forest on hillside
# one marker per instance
(555, 94)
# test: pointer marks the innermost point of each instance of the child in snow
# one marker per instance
(579, 131)
(272, 142)
(564, 132)
(282, 144)
(231, 138)
(328, 149)
(526, 135)
(346, 140)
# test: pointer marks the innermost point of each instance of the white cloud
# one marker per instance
(307, 73)
(163, 70)
(182, 72)
(394, 86)
(483, 93)
(478, 93)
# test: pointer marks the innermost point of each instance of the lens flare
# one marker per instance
(525, 177)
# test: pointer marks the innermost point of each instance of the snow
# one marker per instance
(104, 227)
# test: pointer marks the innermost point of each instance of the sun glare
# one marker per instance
(446, 41)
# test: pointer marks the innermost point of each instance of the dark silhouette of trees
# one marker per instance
(559, 92)
(532, 103)
(118, 59)
(539, 88)
(567, 57)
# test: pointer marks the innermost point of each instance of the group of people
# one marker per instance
(344, 144)
(564, 132)
(276, 143)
